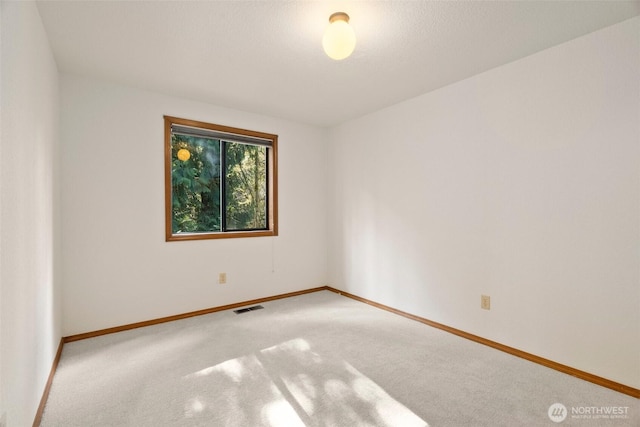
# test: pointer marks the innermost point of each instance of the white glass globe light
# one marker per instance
(339, 39)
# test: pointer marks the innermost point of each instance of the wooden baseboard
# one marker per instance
(622, 388)
(47, 387)
(136, 325)
(45, 395)
(628, 390)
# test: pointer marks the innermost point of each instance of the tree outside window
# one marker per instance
(221, 181)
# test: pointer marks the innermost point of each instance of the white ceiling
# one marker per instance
(266, 56)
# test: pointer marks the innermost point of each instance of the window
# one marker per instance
(220, 181)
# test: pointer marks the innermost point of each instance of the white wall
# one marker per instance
(30, 327)
(522, 183)
(117, 267)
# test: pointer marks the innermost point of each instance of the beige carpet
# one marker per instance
(318, 359)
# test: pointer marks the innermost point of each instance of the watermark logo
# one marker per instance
(557, 412)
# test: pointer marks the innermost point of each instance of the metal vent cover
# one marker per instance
(244, 310)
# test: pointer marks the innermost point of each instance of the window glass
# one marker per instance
(220, 181)
(245, 186)
(195, 184)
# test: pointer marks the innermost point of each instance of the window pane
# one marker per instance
(246, 186)
(195, 180)
(220, 181)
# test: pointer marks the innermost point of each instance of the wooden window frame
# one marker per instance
(272, 182)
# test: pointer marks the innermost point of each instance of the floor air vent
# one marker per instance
(244, 310)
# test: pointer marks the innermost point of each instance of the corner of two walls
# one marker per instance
(521, 183)
(30, 320)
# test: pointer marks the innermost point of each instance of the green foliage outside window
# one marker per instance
(217, 185)
(246, 186)
(195, 185)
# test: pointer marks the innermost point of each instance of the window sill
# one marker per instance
(220, 235)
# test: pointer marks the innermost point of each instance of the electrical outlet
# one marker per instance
(222, 278)
(485, 302)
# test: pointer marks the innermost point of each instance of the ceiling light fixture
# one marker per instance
(339, 39)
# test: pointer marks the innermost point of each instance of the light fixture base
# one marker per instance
(339, 16)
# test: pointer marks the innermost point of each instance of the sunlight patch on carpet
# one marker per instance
(290, 384)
